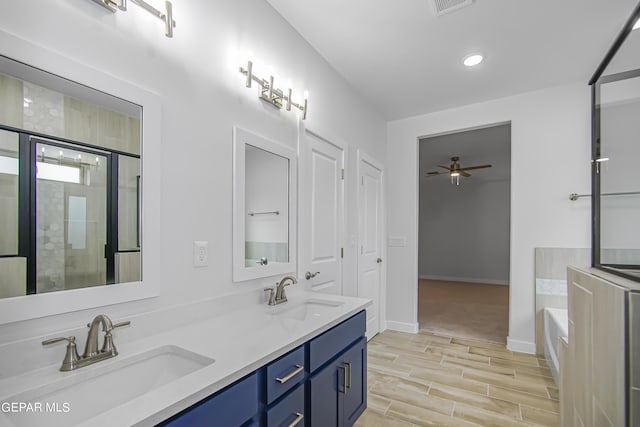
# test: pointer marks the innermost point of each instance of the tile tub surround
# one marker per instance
(258, 336)
(426, 379)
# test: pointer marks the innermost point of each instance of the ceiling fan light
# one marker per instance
(473, 59)
(455, 173)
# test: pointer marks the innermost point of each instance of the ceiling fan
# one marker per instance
(454, 170)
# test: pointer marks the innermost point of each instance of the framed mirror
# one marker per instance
(264, 220)
(74, 204)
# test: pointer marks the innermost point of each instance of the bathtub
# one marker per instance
(556, 325)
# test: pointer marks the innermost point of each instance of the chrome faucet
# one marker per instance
(277, 295)
(91, 354)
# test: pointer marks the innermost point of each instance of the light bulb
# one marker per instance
(306, 94)
(472, 60)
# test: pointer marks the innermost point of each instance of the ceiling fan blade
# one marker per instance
(444, 167)
(475, 167)
(463, 173)
(434, 173)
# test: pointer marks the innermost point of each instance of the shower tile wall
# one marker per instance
(43, 110)
(551, 281)
(50, 252)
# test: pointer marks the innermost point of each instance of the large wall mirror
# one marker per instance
(71, 196)
(70, 173)
(264, 207)
(616, 154)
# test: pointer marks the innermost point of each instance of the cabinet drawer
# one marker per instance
(289, 410)
(284, 374)
(326, 346)
(232, 406)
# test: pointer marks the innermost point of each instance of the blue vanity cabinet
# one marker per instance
(321, 383)
(338, 389)
(355, 396)
(236, 405)
(289, 411)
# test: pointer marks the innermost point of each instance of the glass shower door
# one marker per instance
(71, 217)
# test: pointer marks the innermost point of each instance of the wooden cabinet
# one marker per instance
(596, 375)
(289, 411)
(233, 406)
(322, 383)
(338, 392)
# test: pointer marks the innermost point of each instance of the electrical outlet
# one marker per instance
(200, 254)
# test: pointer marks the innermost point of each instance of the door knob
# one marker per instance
(379, 260)
(309, 275)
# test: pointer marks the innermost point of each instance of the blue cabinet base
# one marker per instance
(322, 383)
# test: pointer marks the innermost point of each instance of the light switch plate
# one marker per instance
(200, 253)
(397, 242)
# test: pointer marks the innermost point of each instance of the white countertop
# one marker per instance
(240, 342)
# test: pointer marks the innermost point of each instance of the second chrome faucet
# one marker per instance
(277, 295)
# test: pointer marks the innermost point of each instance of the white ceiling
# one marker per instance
(406, 61)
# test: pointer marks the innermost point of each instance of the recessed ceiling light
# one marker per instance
(636, 25)
(472, 60)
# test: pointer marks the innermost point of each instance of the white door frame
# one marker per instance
(330, 139)
(382, 301)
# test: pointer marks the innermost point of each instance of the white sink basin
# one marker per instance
(307, 309)
(89, 391)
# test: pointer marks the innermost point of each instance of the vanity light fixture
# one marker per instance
(472, 60)
(272, 95)
(166, 17)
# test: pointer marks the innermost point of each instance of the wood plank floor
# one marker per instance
(471, 310)
(426, 380)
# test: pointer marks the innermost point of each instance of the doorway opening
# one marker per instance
(464, 233)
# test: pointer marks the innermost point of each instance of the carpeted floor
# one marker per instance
(466, 310)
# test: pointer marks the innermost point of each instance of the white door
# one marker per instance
(370, 239)
(320, 213)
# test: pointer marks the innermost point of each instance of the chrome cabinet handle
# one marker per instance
(299, 417)
(344, 380)
(309, 275)
(379, 260)
(299, 368)
(348, 383)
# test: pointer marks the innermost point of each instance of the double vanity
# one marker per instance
(302, 362)
(94, 240)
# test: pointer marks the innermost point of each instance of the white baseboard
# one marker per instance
(411, 328)
(521, 346)
(465, 279)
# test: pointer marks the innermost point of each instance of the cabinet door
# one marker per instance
(233, 406)
(326, 388)
(355, 396)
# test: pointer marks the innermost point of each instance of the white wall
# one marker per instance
(196, 77)
(464, 230)
(550, 157)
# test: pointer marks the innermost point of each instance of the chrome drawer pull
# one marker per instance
(299, 417)
(344, 380)
(348, 383)
(299, 368)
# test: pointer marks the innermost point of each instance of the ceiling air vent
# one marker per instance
(445, 6)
